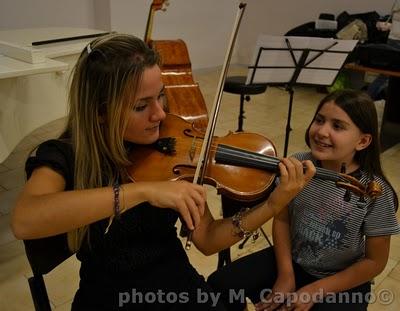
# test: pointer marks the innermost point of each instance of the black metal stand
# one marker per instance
(298, 64)
(241, 111)
(288, 127)
(289, 88)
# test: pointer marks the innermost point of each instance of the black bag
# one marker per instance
(308, 30)
(378, 55)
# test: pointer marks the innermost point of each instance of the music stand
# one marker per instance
(294, 61)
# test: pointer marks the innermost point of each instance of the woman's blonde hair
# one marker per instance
(104, 84)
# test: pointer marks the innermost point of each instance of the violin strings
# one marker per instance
(261, 158)
(214, 147)
(321, 172)
(328, 174)
(246, 157)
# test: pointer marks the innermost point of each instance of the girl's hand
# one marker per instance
(186, 198)
(294, 176)
(280, 291)
(302, 300)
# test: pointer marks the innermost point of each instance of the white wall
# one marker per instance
(204, 25)
(102, 18)
(16, 14)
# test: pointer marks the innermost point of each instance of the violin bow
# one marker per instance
(206, 147)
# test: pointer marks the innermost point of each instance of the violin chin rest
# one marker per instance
(165, 145)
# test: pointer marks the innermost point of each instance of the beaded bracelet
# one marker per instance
(116, 188)
(237, 223)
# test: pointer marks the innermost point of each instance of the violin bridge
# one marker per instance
(192, 150)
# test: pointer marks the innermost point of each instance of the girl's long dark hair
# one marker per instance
(361, 109)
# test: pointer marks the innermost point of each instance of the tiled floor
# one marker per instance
(265, 114)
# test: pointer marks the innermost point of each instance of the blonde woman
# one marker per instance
(75, 185)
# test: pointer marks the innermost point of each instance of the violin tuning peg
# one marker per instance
(343, 168)
(347, 196)
(374, 189)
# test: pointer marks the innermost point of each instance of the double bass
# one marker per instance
(183, 94)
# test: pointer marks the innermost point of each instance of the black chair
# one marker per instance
(237, 85)
(43, 256)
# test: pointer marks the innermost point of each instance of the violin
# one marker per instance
(176, 154)
(183, 94)
(241, 165)
(184, 152)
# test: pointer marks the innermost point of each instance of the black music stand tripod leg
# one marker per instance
(288, 126)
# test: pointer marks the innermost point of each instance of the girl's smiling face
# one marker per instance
(334, 138)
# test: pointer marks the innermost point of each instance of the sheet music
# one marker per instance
(276, 54)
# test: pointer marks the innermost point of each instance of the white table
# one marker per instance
(33, 94)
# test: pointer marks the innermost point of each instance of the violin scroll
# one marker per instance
(160, 5)
(156, 5)
(372, 190)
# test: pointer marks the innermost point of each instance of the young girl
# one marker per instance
(327, 245)
(124, 233)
